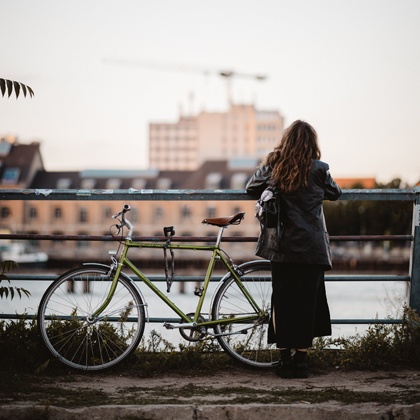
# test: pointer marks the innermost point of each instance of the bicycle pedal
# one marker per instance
(198, 291)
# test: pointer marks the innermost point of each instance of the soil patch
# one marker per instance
(236, 386)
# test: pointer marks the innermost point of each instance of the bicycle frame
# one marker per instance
(217, 254)
(92, 339)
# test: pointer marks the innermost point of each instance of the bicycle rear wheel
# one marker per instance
(73, 336)
(246, 341)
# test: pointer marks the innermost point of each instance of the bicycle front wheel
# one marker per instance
(80, 340)
(244, 337)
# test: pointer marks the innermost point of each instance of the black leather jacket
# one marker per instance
(305, 238)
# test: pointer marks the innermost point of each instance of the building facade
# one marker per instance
(22, 168)
(243, 132)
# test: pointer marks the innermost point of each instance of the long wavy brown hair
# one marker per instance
(291, 159)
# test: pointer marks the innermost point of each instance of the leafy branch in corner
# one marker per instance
(6, 291)
(10, 86)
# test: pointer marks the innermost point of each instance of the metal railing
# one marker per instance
(411, 195)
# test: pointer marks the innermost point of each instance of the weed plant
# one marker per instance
(382, 346)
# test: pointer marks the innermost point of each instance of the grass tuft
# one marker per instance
(381, 346)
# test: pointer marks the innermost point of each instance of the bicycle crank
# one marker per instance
(193, 333)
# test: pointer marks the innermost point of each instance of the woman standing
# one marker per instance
(301, 254)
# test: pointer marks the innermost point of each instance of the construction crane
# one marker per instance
(228, 75)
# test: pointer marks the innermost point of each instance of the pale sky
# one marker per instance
(350, 68)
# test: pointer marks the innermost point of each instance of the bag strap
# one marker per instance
(169, 232)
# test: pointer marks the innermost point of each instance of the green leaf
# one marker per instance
(21, 290)
(17, 88)
(27, 292)
(4, 267)
(4, 291)
(4, 277)
(9, 84)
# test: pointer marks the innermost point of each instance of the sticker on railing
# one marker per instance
(84, 192)
(43, 192)
(417, 215)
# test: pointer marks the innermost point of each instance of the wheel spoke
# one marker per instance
(249, 346)
(77, 339)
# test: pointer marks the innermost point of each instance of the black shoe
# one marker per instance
(300, 370)
(285, 369)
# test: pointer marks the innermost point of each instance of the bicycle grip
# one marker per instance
(124, 210)
(170, 230)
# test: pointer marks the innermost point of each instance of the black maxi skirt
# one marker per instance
(299, 305)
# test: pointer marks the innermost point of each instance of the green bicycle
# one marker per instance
(93, 317)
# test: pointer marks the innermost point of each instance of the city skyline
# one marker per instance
(348, 69)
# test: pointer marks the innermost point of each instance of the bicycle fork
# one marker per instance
(113, 274)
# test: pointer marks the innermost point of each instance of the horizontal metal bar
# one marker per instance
(186, 195)
(366, 321)
(177, 320)
(188, 239)
(124, 195)
(373, 278)
(186, 279)
(373, 238)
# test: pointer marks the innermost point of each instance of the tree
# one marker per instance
(370, 217)
(11, 86)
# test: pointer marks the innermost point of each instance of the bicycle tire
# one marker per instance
(84, 343)
(246, 342)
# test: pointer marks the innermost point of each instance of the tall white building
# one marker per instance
(243, 132)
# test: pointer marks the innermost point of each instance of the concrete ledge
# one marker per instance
(325, 411)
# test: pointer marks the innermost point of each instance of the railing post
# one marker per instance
(415, 256)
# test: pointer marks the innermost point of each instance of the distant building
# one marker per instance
(242, 132)
(356, 183)
(19, 163)
(21, 167)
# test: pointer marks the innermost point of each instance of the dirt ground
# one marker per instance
(233, 386)
(237, 394)
(354, 381)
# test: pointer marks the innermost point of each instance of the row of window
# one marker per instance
(268, 140)
(35, 244)
(267, 127)
(57, 213)
(90, 184)
(84, 215)
(172, 155)
(162, 148)
(176, 139)
(174, 132)
(175, 128)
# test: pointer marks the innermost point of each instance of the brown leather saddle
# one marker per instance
(225, 221)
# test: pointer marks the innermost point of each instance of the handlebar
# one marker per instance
(168, 231)
(124, 210)
(124, 222)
